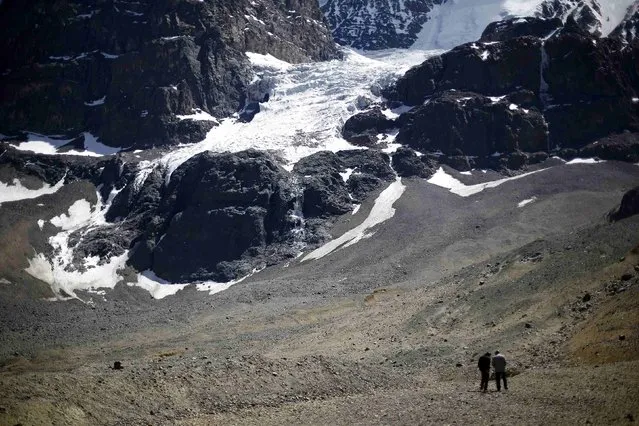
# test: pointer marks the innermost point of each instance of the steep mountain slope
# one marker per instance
(445, 24)
(142, 73)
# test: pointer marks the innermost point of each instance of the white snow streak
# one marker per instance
(585, 161)
(42, 144)
(443, 179)
(527, 201)
(382, 211)
(17, 192)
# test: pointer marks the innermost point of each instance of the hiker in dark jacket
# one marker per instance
(484, 367)
(499, 364)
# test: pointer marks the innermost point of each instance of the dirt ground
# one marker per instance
(385, 332)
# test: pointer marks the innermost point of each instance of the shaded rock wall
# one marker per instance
(143, 62)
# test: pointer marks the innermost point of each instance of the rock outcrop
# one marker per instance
(472, 124)
(521, 96)
(629, 205)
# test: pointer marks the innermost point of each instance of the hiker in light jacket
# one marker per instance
(499, 364)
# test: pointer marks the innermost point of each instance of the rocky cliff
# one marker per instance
(523, 97)
(134, 73)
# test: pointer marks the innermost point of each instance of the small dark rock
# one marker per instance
(627, 276)
(622, 337)
(528, 325)
(117, 365)
(586, 298)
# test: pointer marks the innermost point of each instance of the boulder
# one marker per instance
(362, 129)
(407, 163)
(619, 147)
(629, 205)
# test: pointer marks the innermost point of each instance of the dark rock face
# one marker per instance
(490, 69)
(621, 147)
(472, 124)
(124, 71)
(219, 208)
(591, 89)
(563, 94)
(629, 205)
(362, 129)
(519, 27)
(408, 164)
(377, 24)
(582, 14)
(219, 216)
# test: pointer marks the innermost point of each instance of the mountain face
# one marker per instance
(444, 24)
(193, 199)
(377, 24)
(126, 71)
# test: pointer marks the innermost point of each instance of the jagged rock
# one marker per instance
(408, 164)
(371, 162)
(518, 27)
(362, 129)
(621, 147)
(487, 68)
(628, 30)
(591, 83)
(376, 24)
(325, 195)
(217, 209)
(471, 124)
(629, 205)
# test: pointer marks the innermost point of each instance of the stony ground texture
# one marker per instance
(387, 331)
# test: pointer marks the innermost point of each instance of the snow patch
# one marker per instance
(585, 161)
(527, 201)
(155, 285)
(198, 115)
(382, 211)
(444, 180)
(17, 192)
(78, 214)
(96, 102)
(42, 144)
(347, 174)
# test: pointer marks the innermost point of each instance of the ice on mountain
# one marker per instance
(459, 21)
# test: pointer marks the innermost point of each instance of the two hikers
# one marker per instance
(499, 364)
